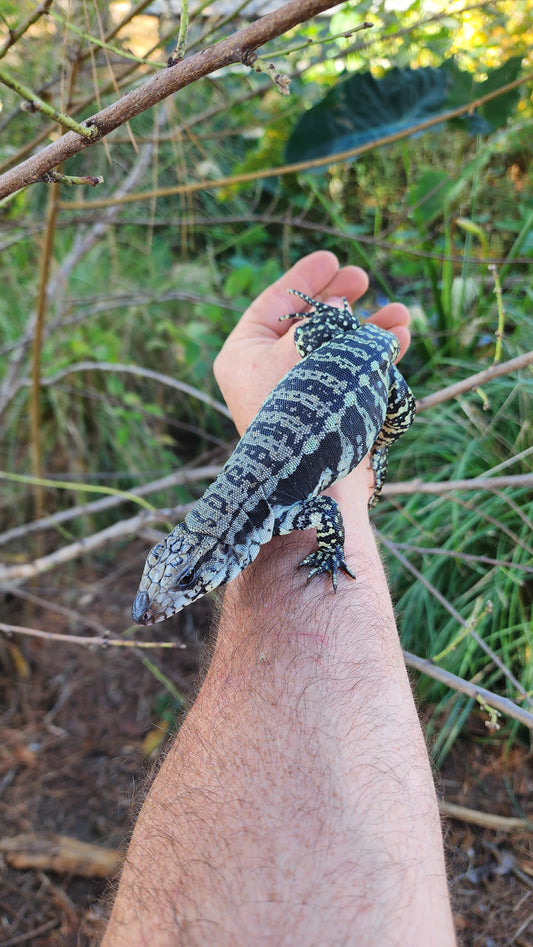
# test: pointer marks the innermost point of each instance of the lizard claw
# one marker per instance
(330, 561)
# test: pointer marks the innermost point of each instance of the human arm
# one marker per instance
(296, 805)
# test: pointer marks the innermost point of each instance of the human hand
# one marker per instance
(261, 350)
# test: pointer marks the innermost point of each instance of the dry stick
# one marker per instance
(455, 554)
(123, 528)
(178, 478)
(211, 471)
(14, 35)
(73, 616)
(474, 381)
(237, 48)
(445, 486)
(409, 487)
(301, 224)
(37, 345)
(503, 704)
(500, 823)
(455, 614)
(97, 641)
(141, 373)
(98, 304)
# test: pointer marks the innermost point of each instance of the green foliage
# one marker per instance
(362, 109)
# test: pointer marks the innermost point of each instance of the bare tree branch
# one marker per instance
(503, 704)
(500, 823)
(475, 381)
(240, 47)
(404, 488)
(81, 547)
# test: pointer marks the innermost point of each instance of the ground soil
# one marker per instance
(81, 729)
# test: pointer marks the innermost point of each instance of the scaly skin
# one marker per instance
(346, 398)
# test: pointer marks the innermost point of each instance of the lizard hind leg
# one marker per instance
(323, 514)
(378, 463)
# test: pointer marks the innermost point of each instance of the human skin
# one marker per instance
(296, 806)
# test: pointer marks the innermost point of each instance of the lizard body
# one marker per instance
(343, 399)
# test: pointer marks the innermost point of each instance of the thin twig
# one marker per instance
(503, 704)
(36, 432)
(101, 43)
(406, 487)
(501, 312)
(141, 373)
(453, 554)
(14, 35)
(181, 44)
(56, 177)
(474, 381)
(500, 823)
(36, 104)
(346, 34)
(297, 222)
(131, 526)
(99, 304)
(98, 641)
(82, 245)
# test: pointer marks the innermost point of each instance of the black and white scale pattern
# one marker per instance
(345, 398)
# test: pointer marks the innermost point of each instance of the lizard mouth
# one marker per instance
(144, 612)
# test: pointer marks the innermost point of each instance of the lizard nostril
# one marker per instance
(139, 611)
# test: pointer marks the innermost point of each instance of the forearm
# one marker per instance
(297, 804)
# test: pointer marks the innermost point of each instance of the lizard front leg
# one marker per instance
(323, 514)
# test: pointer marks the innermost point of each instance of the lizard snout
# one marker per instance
(140, 609)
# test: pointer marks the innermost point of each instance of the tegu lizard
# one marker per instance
(344, 399)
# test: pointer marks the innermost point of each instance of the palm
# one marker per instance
(260, 351)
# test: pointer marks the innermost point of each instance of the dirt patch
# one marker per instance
(75, 725)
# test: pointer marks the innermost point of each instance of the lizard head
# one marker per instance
(177, 571)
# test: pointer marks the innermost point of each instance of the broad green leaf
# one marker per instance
(362, 109)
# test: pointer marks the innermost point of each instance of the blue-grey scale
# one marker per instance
(343, 400)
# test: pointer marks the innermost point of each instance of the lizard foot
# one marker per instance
(330, 560)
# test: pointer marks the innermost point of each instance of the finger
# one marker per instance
(310, 275)
(350, 282)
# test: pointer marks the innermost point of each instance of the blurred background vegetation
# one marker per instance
(197, 214)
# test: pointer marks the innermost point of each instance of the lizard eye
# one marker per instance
(186, 579)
